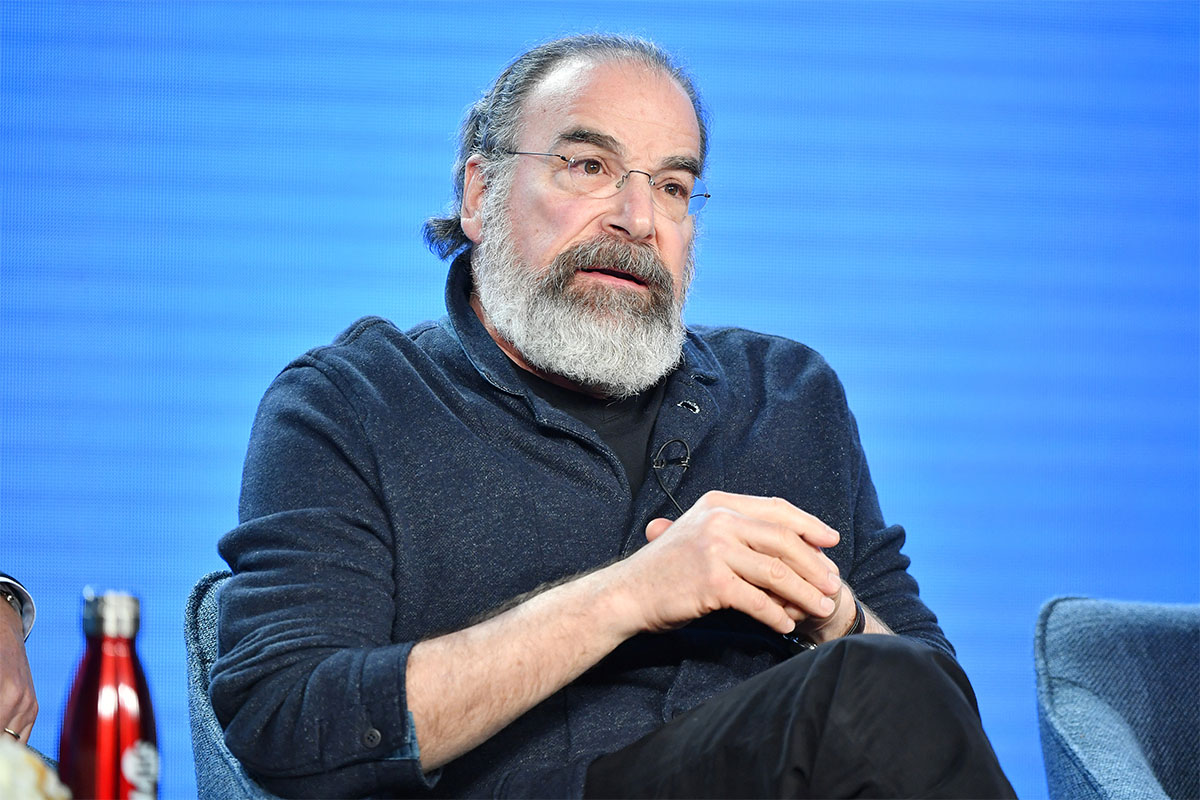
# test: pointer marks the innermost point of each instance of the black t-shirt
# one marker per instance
(624, 425)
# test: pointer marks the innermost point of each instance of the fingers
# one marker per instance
(789, 523)
(761, 556)
(18, 701)
(21, 723)
(802, 558)
(656, 527)
(775, 529)
(797, 578)
(18, 711)
(775, 510)
(794, 613)
(760, 605)
(775, 558)
(786, 587)
(768, 509)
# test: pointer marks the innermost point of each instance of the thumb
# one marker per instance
(656, 528)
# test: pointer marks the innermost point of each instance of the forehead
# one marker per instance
(642, 108)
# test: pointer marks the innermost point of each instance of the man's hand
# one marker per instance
(761, 556)
(18, 703)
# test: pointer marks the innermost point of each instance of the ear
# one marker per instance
(473, 189)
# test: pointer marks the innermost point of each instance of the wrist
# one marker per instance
(9, 600)
(859, 624)
(610, 597)
(13, 594)
(848, 618)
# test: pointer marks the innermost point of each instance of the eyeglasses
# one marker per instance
(677, 193)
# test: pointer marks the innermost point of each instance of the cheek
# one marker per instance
(533, 237)
(552, 228)
(674, 250)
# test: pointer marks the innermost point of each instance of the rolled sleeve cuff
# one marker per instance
(390, 734)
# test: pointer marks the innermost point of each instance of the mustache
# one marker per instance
(607, 252)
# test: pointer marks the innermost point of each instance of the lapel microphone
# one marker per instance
(660, 462)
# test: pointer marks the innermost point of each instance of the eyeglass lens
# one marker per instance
(676, 192)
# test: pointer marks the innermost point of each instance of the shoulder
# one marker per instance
(371, 336)
(752, 361)
(371, 349)
(371, 364)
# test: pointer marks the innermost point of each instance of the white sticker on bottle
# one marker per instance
(139, 765)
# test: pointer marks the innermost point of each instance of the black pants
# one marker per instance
(865, 716)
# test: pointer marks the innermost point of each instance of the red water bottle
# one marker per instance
(109, 748)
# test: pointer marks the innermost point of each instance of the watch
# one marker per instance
(798, 642)
(13, 600)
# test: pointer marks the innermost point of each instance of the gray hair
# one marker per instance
(493, 122)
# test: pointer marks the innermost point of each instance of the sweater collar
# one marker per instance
(496, 367)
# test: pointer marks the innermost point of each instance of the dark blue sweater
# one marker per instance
(398, 484)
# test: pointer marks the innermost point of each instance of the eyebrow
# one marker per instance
(609, 143)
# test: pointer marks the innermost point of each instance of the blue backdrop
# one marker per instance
(983, 214)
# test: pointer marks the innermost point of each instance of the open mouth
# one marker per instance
(614, 274)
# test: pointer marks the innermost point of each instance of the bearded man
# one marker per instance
(557, 544)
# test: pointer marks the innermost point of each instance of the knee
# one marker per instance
(896, 656)
(895, 672)
(901, 716)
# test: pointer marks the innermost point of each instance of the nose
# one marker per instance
(632, 212)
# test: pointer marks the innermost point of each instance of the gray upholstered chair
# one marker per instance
(219, 776)
(1118, 689)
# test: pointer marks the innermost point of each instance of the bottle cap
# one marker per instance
(110, 614)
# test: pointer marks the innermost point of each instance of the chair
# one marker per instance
(219, 776)
(1118, 687)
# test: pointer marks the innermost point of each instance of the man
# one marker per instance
(18, 701)
(558, 545)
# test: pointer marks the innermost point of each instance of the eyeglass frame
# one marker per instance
(704, 195)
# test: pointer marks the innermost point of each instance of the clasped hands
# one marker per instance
(762, 556)
(759, 555)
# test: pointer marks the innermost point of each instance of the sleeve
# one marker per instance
(879, 574)
(28, 611)
(309, 685)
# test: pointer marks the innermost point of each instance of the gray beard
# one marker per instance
(614, 341)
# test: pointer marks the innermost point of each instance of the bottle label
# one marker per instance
(139, 766)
